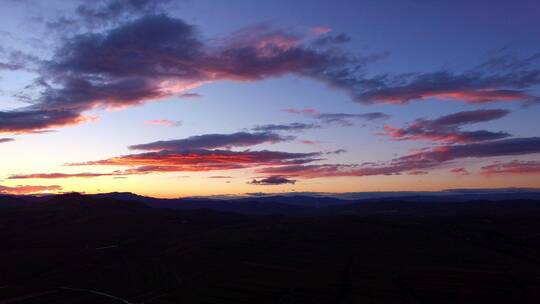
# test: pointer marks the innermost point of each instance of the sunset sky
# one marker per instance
(179, 98)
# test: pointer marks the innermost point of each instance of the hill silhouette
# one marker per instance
(113, 249)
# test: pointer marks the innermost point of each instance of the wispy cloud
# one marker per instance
(460, 171)
(448, 128)
(291, 127)
(200, 160)
(514, 167)
(419, 161)
(309, 142)
(62, 175)
(28, 189)
(213, 141)
(164, 122)
(341, 119)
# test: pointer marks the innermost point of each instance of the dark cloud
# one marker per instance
(514, 167)
(338, 151)
(112, 69)
(342, 119)
(504, 147)
(312, 171)
(329, 40)
(469, 117)
(448, 128)
(99, 13)
(272, 180)
(32, 120)
(189, 95)
(420, 161)
(293, 127)
(346, 120)
(213, 141)
(5, 140)
(475, 86)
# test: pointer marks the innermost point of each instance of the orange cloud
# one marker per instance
(17, 190)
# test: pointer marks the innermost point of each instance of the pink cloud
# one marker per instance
(17, 190)
(460, 171)
(163, 122)
(515, 167)
(448, 128)
(321, 30)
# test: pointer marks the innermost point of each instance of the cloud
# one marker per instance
(14, 60)
(485, 83)
(338, 151)
(332, 39)
(30, 120)
(61, 175)
(346, 120)
(321, 30)
(460, 171)
(272, 180)
(164, 122)
(17, 190)
(419, 161)
(189, 95)
(9, 66)
(341, 119)
(308, 112)
(514, 167)
(309, 142)
(293, 127)
(312, 171)
(470, 117)
(5, 140)
(100, 13)
(276, 163)
(200, 160)
(418, 172)
(220, 176)
(213, 141)
(109, 69)
(504, 147)
(447, 128)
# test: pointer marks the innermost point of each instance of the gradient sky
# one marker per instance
(179, 98)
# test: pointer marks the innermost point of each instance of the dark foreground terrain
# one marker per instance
(100, 249)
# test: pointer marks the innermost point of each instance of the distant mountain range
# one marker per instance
(448, 202)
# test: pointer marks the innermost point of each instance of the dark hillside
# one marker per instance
(83, 249)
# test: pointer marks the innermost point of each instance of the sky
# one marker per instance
(183, 98)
